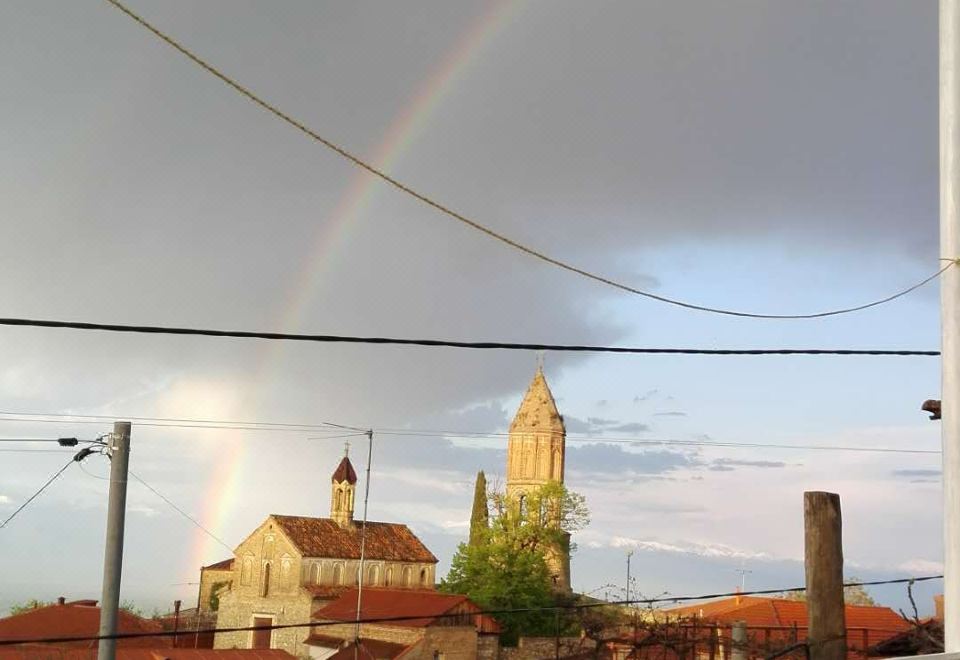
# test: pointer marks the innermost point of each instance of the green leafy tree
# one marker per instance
(215, 591)
(27, 605)
(854, 595)
(480, 516)
(505, 565)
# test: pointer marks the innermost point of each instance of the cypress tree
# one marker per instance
(479, 517)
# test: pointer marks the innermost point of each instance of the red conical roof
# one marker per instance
(345, 472)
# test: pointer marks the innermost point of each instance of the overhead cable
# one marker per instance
(599, 439)
(490, 612)
(474, 224)
(433, 343)
(171, 422)
(36, 494)
(183, 513)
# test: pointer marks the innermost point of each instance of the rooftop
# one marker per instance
(78, 619)
(322, 537)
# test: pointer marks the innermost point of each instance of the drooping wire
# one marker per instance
(183, 513)
(455, 215)
(36, 494)
(598, 439)
(489, 612)
(433, 343)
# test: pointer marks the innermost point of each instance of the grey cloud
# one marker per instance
(613, 459)
(916, 473)
(630, 427)
(672, 413)
(600, 421)
(729, 462)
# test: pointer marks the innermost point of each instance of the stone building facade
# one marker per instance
(291, 565)
(536, 452)
(214, 580)
(426, 625)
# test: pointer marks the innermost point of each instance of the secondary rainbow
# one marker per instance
(222, 494)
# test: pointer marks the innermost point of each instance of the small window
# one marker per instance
(423, 577)
(388, 578)
(338, 574)
(315, 573)
(373, 574)
(265, 582)
(407, 576)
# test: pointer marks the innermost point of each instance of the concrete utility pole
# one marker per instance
(950, 313)
(738, 637)
(119, 445)
(823, 564)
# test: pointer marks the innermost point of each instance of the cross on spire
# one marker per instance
(346, 448)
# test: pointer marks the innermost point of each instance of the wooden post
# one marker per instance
(823, 562)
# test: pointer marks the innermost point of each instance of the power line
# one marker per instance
(182, 512)
(659, 441)
(455, 215)
(490, 612)
(467, 435)
(231, 423)
(34, 496)
(515, 346)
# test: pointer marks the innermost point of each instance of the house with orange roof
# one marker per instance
(413, 624)
(774, 623)
(79, 618)
(290, 566)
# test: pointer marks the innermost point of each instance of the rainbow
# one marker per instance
(222, 494)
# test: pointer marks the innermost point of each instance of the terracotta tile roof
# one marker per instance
(225, 565)
(880, 622)
(322, 537)
(370, 649)
(47, 652)
(78, 619)
(344, 472)
(427, 606)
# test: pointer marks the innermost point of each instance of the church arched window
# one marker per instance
(522, 507)
(388, 577)
(338, 506)
(246, 571)
(373, 574)
(338, 574)
(265, 580)
(423, 577)
(407, 576)
(315, 573)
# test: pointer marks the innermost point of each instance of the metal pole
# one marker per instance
(950, 314)
(119, 449)
(363, 539)
(629, 554)
(738, 639)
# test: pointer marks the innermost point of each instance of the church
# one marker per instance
(536, 451)
(290, 566)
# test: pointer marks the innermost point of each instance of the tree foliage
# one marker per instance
(27, 605)
(505, 564)
(480, 516)
(853, 595)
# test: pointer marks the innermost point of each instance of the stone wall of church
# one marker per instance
(210, 578)
(377, 573)
(237, 611)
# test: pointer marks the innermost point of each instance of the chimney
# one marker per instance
(62, 600)
(737, 598)
(938, 607)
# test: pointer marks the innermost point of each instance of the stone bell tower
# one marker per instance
(344, 483)
(536, 451)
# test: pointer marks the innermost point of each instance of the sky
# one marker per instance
(767, 157)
